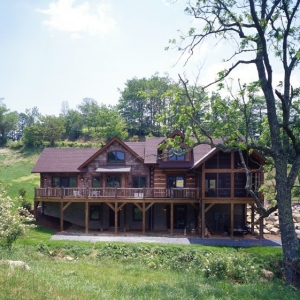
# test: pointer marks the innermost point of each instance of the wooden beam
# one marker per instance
(66, 206)
(121, 206)
(209, 207)
(138, 206)
(144, 217)
(86, 217)
(231, 219)
(202, 219)
(61, 216)
(199, 218)
(116, 217)
(149, 206)
(110, 205)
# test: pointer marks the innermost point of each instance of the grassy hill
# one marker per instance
(15, 171)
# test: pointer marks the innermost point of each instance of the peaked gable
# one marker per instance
(115, 139)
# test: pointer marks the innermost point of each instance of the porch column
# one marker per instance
(86, 217)
(202, 219)
(61, 216)
(172, 219)
(116, 217)
(144, 218)
(199, 218)
(231, 219)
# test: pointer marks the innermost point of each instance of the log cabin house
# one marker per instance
(134, 186)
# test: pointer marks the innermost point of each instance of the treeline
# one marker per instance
(147, 106)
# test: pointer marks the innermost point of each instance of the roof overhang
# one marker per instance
(112, 169)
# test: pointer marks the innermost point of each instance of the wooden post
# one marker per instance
(61, 215)
(199, 218)
(116, 217)
(202, 219)
(172, 219)
(231, 219)
(86, 217)
(144, 218)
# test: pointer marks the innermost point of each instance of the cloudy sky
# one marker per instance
(66, 50)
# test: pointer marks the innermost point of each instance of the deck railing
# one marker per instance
(142, 193)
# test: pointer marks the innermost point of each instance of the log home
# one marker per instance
(136, 186)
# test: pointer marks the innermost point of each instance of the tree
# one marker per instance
(74, 124)
(266, 35)
(8, 122)
(142, 100)
(109, 124)
(49, 129)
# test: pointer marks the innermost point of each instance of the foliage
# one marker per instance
(142, 99)
(8, 122)
(266, 36)
(12, 223)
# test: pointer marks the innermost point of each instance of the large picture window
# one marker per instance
(64, 181)
(113, 181)
(116, 157)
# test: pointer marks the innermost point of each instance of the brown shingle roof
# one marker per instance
(151, 149)
(62, 159)
(137, 147)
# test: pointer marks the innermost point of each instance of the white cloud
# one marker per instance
(78, 20)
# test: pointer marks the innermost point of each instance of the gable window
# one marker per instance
(113, 181)
(64, 181)
(139, 182)
(177, 155)
(116, 157)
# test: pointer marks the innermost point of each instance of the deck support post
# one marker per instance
(202, 219)
(61, 216)
(86, 217)
(172, 219)
(199, 218)
(116, 217)
(144, 218)
(231, 219)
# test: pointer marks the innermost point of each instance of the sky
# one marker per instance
(67, 50)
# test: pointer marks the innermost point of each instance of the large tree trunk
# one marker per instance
(289, 238)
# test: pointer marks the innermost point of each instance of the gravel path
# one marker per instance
(166, 240)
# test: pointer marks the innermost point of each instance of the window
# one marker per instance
(176, 181)
(94, 212)
(217, 184)
(137, 214)
(113, 181)
(139, 182)
(220, 160)
(116, 157)
(64, 181)
(96, 182)
(177, 155)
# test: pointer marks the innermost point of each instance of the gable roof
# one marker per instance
(62, 159)
(151, 146)
(115, 139)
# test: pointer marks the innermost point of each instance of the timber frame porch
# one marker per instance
(117, 198)
(142, 198)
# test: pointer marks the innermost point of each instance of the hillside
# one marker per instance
(15, 171)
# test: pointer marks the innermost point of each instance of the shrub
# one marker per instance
(12, 223)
